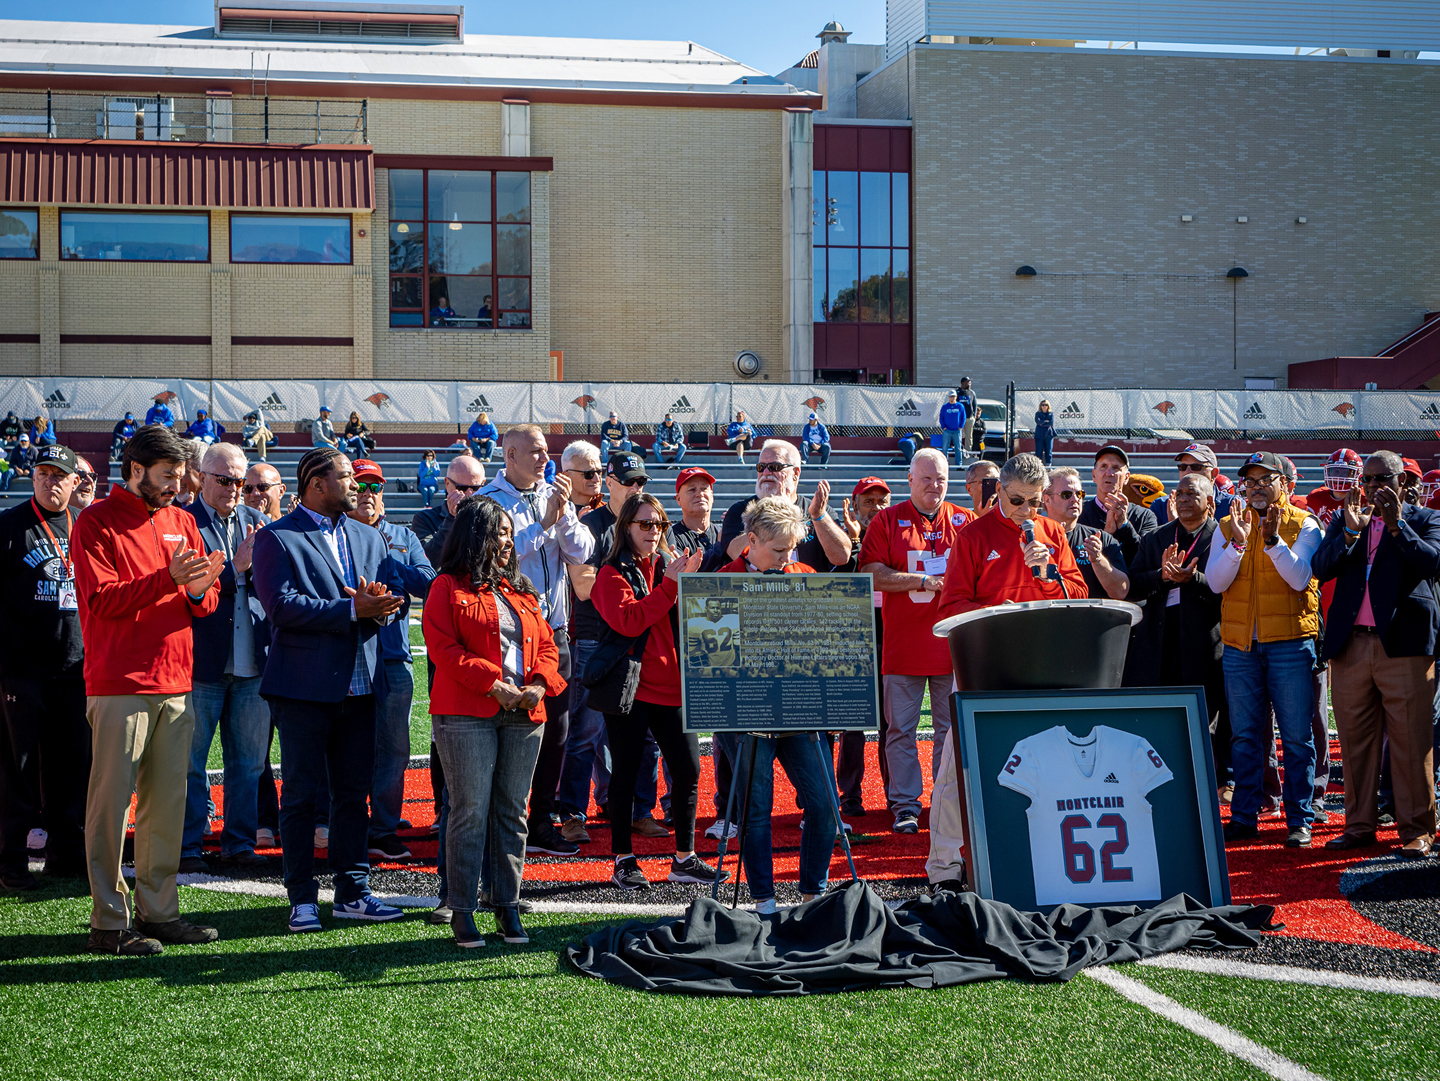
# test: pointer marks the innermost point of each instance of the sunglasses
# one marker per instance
(650, 525)
(588, 474)
(638, 482)
(86, 477)
(1017, 501)
(1371, 479)
(1269, 479)
(1067, 494)
(1191, 467)
(251, 489)
(771, 467)
(226, 481)
(371, 486)
(466, 488)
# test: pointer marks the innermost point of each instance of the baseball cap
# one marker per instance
(1111, 448)
(864, 484)
(813, 416)
(1200, 451)
(626, 468)
(24, 437)
(129, 416)
(61, 457)
(1264, 458)
(1412, 466)
(364, 467)
(687, 475)
(324, 409)
(201, 413)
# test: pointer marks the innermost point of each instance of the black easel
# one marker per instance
(827, 766)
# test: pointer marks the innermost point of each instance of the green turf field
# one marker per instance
(399, 1000)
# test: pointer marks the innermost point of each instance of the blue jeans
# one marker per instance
(7, 478)
(355, 446)
(1044, 445)
(392, 749)
(950, 439)
(1281, 670)
(811, 777)
(236, 708)
(488, 765)
(587, 752)
(428, 491)
(675, 454)
(806, 450)
(624, 447)
(483, 449)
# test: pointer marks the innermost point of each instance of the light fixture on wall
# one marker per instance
(402, 228)
(1237, 272)
(1242, 219)
(1187, 217)
(1301, 221)
(455, 225)
(1026, 271)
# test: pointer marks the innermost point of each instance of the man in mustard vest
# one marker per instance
(1269, 619)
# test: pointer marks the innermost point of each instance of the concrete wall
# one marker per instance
(1081, 165)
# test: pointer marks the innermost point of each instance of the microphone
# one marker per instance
(1029, 528)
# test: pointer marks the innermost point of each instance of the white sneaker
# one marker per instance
(718, 827)
(322, 836)
(265, 838)
(36, 840)
(765, 907)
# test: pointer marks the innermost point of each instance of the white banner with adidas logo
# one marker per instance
(110, 399)
(647, 403)
(283, 401)
(506, 403)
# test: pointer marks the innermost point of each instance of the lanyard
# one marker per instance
(1186, 557)
(64, 562)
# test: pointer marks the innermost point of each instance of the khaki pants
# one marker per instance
(140, 744)
(1374, 695)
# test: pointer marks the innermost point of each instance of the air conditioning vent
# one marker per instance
(257, 23)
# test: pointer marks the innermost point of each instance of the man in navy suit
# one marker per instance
(316, 573)
(230, 648)
(1380, 637)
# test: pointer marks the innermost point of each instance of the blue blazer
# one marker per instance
(215, 633)
(1402, 594)
(312, 637)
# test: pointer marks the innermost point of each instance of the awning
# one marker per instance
(113, 172)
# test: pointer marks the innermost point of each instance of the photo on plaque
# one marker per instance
(777, 652)
(1090, 797)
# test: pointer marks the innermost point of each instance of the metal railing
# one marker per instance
(193, 118)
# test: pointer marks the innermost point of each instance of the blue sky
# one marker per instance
(765, 34)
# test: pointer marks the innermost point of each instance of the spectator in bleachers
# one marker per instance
(669, 442)
(815, 439)
(482, 437)
(1380, 640)
(42, 435)
(160, 412)
(427, 476)
(205, 429)
(359, 440)
(10, 429)
(909, 444)
(408, 566)
(741, 435)
(1045, 432)
(322, 432)
(264, 489)
(615, 438)
(1269, 619)
(230, 646)
(972, 416)
(120, 435)
(84, 493)
(22, 462)
(463, 476)
(951, 421)
(441, 315)
(1111, 510)
(1097, 554)
(1200, 460)
(255, 434)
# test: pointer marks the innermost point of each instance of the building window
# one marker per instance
(459, 249)
(861, 229)
(289, 238)
(19, 234)
(144, 237)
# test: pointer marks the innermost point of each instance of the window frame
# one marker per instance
(205, 213)
(36, 250)
(349, 220)
(823, 302)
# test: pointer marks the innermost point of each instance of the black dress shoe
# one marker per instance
(462, 926)
(1347, 841)
(246, 859)
(19, 880)
(192, 865)
(1239, 831)
(507, 923)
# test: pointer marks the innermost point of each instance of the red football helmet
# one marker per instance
(1342, 470)
(1429, 485)
(1224, 485)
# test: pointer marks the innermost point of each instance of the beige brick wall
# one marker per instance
(435, 127)
(1080, 164)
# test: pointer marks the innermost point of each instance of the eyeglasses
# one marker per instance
(1372, 479)
(1267, 480)
(1017, 501)
(1191, 467)
(226, 481)
(772, 467)
(650, 525)
(86, 477)
(466, 488)
(588, 474)
(251, 489)
(371, 486)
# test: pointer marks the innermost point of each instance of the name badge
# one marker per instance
(936, 564)
(69, 602)
(1173, 598)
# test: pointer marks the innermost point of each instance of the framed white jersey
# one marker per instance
(1092, 835)
(713, 643)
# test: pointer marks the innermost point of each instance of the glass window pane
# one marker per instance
(818, 315)
(470, 299)
(407, 193)
(459, 196)
(840, 209)
(404, 292)
(843, 284)
(167, 238)
(407, 246)
(900, 305)
(875, 208)
(900, 204)
(457, 248)
(512, 196)
(512, 243)
(19, 234)
(271, 238)
(874, 285)
(817, 202)
(515, 294)
(515, 320)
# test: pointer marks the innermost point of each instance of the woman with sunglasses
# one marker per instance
(358, 437)
(427, 476)
(495, 663)
(635, 593)
(1044, 432)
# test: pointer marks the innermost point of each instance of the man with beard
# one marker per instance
(84, 493)
(141, 581)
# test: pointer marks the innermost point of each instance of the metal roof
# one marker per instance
(68, 49)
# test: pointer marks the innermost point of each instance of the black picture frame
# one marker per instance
(1185, 812)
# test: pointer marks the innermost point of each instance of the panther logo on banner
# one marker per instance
(379, 399)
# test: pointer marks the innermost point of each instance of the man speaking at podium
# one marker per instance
(1007, 556)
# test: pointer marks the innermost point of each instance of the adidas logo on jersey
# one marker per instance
(272, 402)
(56, 400)
(1110, 778)
(682, 405)
(907, 408)
(993, 555)
(1254, 412)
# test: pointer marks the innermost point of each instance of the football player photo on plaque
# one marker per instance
(1090, 797)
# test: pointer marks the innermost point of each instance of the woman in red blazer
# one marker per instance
(495, 661)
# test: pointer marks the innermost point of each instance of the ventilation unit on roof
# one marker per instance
(328, 20)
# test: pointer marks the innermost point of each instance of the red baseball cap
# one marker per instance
(364, 467)
(866, 483)
(687, 475)
(1412, 466)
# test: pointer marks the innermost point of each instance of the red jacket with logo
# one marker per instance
(135, 620)
(987, 566)
(631, 615)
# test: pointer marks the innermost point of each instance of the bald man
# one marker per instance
(464, 476)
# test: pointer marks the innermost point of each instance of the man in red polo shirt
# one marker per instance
(906, 548)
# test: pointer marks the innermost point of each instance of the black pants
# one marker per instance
(551, 762)
(44, 770)
(681, 751)
(267, 803)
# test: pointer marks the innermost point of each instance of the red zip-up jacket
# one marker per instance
(987, 566)
(134, 619)
(741, 565)
(631, 615)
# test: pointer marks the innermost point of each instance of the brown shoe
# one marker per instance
(124, 943)
(574, 832)
(648, 827)
(178, 932)
(1347, 841)
(1417, 849)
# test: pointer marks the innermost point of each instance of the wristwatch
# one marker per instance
(1270, 542)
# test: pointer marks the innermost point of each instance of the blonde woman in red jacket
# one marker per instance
(495, 662)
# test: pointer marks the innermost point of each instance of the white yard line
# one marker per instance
(1216, 966)
(1227, 1039)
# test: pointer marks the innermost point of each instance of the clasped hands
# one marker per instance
(374, 601)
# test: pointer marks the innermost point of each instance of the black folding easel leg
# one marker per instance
(725, 823)
(827, 766)
(745, 816)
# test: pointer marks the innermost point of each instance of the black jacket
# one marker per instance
(1138, 522)
(1198, 614)
(432, 526)
(215, 633)
(1402, 584)
(38, 638)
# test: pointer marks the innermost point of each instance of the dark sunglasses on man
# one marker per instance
(588, 474)
(86, 476)
(226, 481)
(1190, 467)
(771, 467)
(251, 489)
(371, 486)
(466, 488)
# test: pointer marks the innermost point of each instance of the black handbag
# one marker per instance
(613, 675)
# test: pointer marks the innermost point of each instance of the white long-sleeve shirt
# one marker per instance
(543, 553)
(1292, 563)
